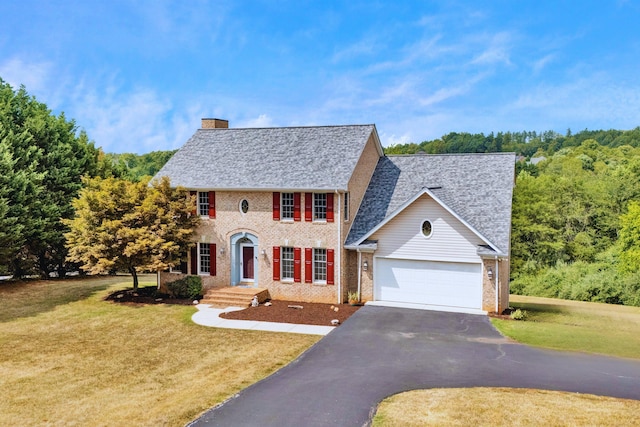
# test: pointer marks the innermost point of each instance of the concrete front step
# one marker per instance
(234, 296)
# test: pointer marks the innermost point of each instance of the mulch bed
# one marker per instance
(309, 314)
(145, 295)
(279, 311)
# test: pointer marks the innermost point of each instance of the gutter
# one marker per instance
(497, 285)
(339, 251)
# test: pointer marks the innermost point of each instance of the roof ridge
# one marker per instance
(450, 154)
(289, 127)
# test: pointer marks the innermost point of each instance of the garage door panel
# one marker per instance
(427, 282)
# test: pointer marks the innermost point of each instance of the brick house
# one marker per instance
(312, 213)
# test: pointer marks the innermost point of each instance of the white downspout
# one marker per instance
(359, 273)
(497, 285)
(339, 249)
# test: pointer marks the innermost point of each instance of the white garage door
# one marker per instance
(427, 282)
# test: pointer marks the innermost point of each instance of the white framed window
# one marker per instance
(286, 206)
(244, 206)
(426, 228)
(320, 265)
(286, 263)
(203, 203)
(204, 258)
(346, 206)
(319, 206)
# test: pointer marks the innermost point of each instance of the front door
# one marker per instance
(246, 267)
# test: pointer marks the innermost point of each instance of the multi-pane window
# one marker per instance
(205, 258)
(203, 203)
(286, 261)
(320, 206)
(286, 206)
(319, 265)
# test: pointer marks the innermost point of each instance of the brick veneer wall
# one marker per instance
(489, 285)
(357, 187)
(259, 222)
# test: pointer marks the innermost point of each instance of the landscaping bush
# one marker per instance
(187, 287)
(519, 315)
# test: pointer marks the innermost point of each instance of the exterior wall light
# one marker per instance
(490, 273)
(221, 251)
(365, 265)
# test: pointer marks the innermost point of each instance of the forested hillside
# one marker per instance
(524, 143)
(136, 166)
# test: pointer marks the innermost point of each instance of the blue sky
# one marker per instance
(139, 75)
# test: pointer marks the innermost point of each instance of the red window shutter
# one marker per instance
(212, 204)
(297, 265)
(296, 206)
(194, 260)
(212, 256)
(329, 207)
(308, 265)
(330, 267)
(194, 196)
(308, 206)
(276, 206)
(276, 262)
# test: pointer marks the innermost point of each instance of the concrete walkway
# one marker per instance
(381, 351)
(209, 316)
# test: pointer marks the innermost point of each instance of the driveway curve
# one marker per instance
(381, 351)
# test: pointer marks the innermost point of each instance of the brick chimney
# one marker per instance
(215, 124)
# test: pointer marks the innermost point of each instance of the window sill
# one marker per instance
(320, 283)
(319, 221)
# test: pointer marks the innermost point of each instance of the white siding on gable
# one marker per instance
(450, 240)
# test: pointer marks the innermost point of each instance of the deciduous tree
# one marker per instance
(130, 226)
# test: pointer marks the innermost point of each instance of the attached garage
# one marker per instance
(445, 284)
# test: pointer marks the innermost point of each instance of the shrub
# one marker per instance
(519, 314)
(187, 287)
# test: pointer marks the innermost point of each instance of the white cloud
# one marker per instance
(262, 121)
(35, 76)
(363, 47)
(542, 62)
(497, 50)
(388, 140)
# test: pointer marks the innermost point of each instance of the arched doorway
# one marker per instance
(244, 259)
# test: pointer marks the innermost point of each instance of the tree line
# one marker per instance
(49, 169)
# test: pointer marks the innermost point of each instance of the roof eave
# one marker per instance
(441, 203)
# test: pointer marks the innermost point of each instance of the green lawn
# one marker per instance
(67, 357)
(575, 326)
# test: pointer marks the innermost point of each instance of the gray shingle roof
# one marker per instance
(477, 187)
(294, 158)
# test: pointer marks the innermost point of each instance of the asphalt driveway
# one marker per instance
(382, 351)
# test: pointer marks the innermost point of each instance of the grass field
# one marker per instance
(504, 407)
(69, 358)
(559, 324)
(575, 326)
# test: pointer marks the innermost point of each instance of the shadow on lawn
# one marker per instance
(26, 298)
